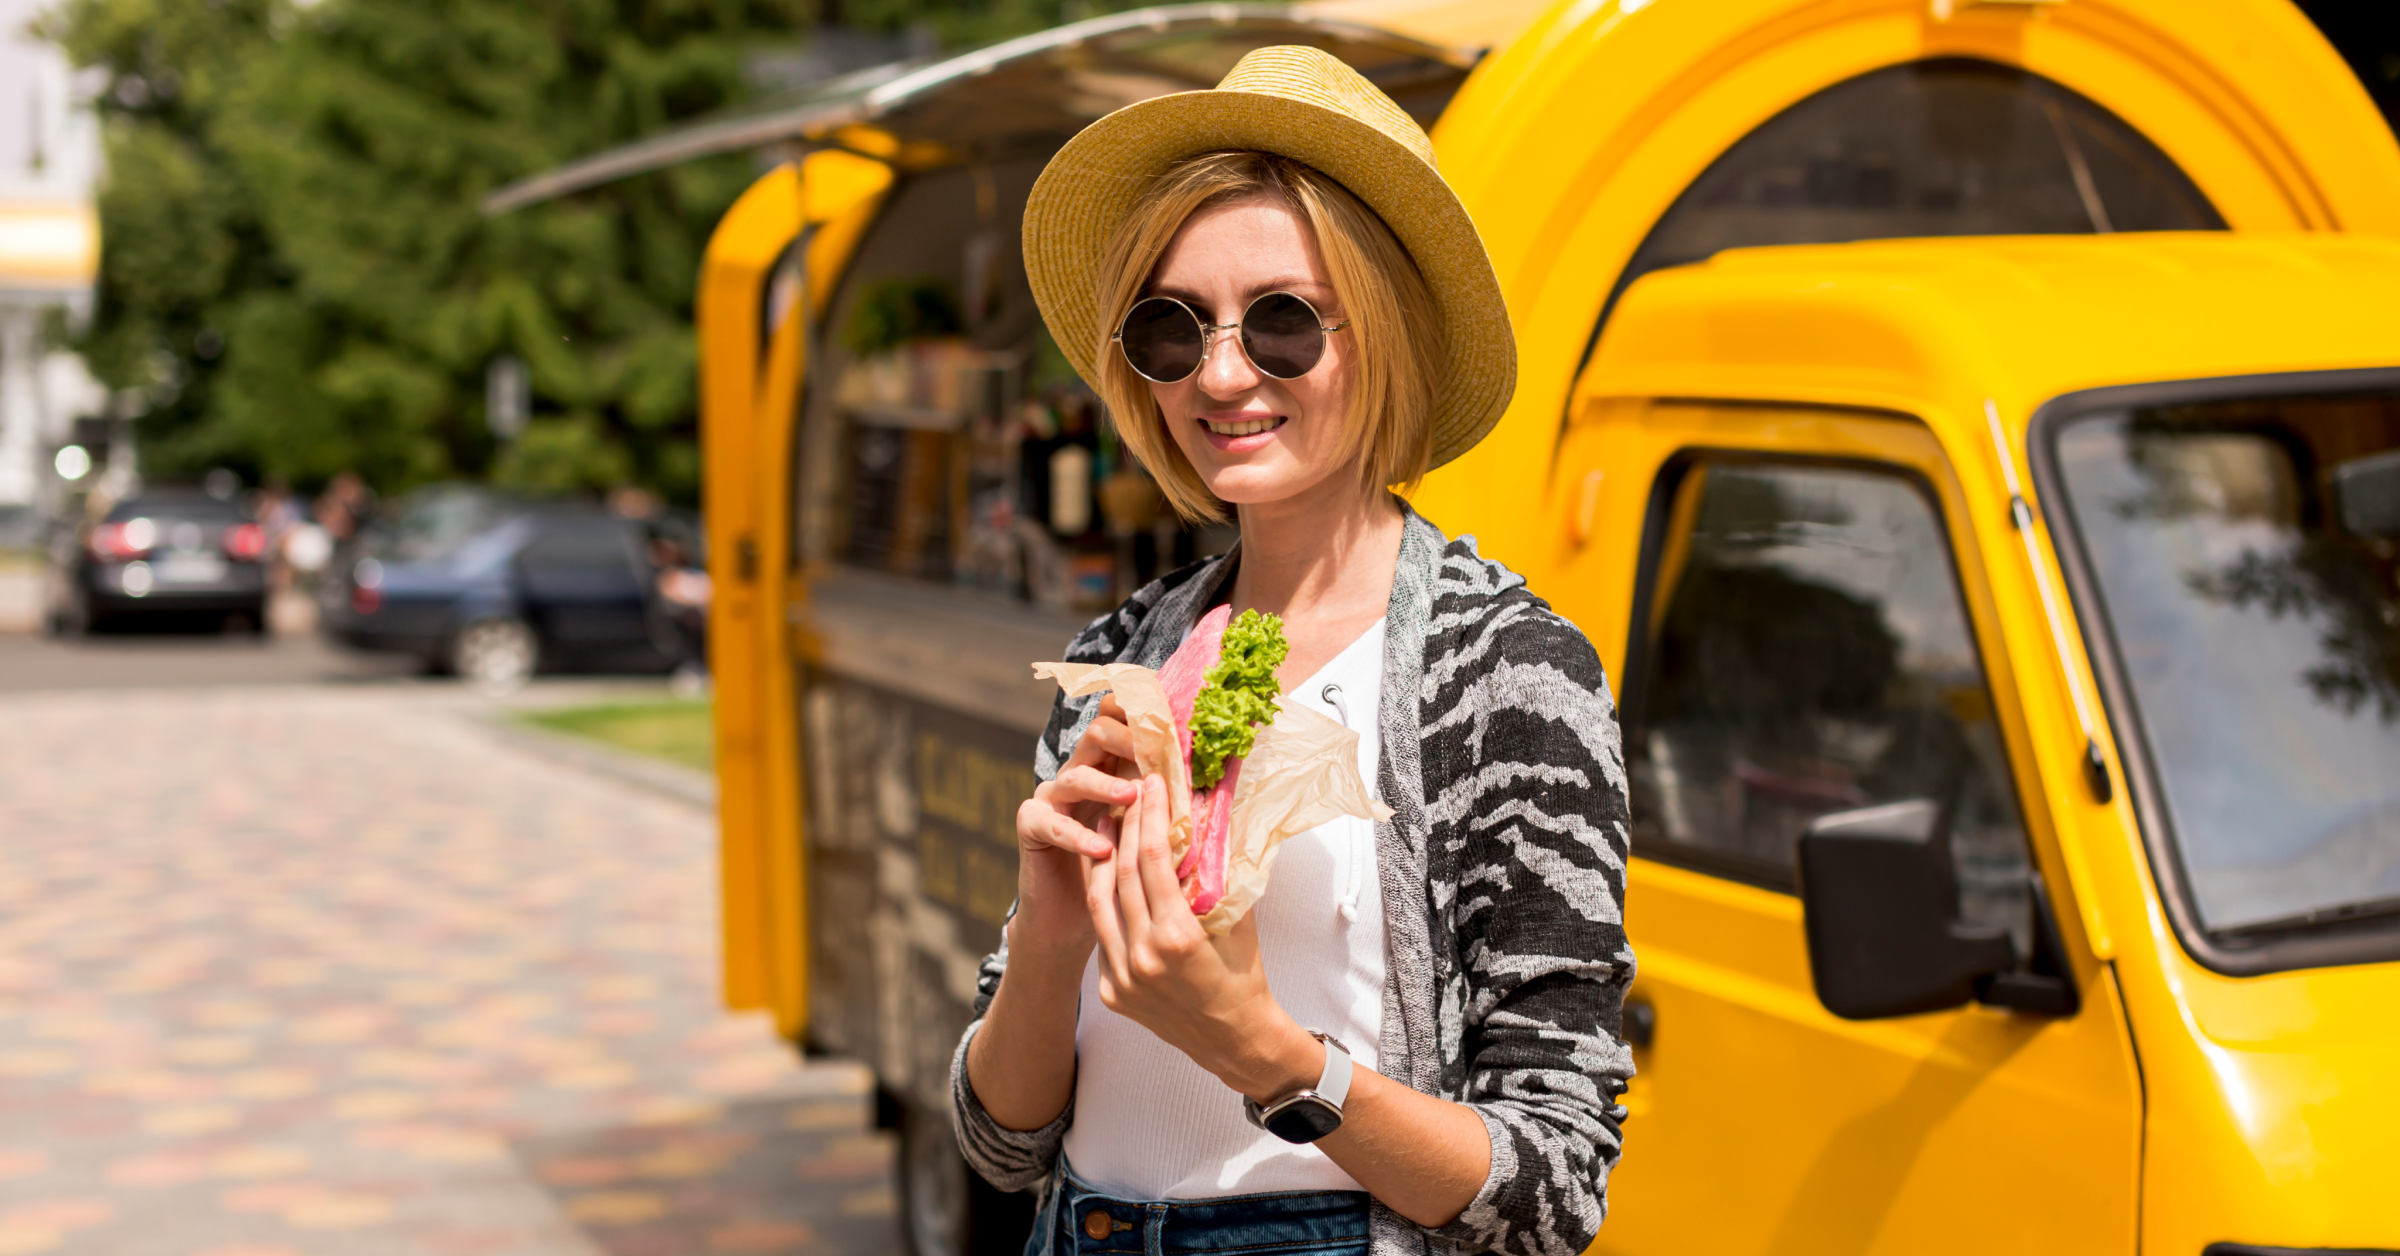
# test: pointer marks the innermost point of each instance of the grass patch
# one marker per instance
(681, 732)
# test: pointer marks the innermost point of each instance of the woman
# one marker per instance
(1409, 1044)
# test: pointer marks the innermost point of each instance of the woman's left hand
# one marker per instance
(1205, 996)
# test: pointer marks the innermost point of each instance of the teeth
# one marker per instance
(1242, 429)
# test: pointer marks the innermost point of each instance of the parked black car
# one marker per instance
(160, 552)
(495, 588)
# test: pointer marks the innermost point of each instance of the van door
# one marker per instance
(587, 585)
(1803, 644)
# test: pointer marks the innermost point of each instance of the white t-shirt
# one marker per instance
(1149, 1123)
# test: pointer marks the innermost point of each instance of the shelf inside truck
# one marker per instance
(964, 649)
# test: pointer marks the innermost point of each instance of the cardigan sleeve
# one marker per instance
(1527, 810)
(1018, 1160)
(1013, 1160)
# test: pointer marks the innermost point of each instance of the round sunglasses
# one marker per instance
(1164, 340)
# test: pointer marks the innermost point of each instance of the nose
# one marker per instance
(1225, 371)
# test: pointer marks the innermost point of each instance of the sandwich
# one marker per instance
(1220, 685)
(1243, 771)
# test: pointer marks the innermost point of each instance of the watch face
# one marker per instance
(1305, 1121)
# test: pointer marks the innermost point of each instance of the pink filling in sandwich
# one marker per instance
(1202, 870)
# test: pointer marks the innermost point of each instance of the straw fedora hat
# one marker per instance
(1305, 104)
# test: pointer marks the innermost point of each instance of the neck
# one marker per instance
(1323, 554)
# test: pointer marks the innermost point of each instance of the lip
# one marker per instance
(1240, 444)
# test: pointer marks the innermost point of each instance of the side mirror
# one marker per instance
(1881, 912)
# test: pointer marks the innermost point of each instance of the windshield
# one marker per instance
(2244, 553)
(431, 523)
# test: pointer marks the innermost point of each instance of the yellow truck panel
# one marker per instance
(733, 278)
(2264, 1117)
(1569, 144)
(756, 289)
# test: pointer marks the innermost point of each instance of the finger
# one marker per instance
(1133, 902)
(1099, 896)
(1039, 824)
(1084, 795)
(1111, 709)
(1066, 833)
(1083, 783)
(1154, 861)
(1107, 737)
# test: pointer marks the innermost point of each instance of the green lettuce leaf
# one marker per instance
(1236, 696)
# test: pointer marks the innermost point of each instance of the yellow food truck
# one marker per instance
(1970, 434)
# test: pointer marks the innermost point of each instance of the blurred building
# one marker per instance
(49, 259)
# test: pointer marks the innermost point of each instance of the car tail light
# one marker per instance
(124, 542)
(366, 601)
(245, 541)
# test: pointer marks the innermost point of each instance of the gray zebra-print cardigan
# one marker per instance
(1503, 880)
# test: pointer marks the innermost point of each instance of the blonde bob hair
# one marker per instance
(1395, 324)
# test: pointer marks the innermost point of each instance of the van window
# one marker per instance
(1931, 148)
(1808, 652)
(2244, 556)
(583, 553)
(434, 522)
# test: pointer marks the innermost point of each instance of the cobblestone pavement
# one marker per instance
(288, 971)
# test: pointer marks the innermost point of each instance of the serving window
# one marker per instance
(944, 437)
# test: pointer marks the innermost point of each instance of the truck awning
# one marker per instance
(1040, 88)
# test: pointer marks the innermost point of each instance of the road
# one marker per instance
(139, 658)
(160, 660)
(336, 969)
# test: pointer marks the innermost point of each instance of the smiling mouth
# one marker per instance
(1247, 427)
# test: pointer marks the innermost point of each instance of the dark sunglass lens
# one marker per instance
(1282, 335)
(1162, 340)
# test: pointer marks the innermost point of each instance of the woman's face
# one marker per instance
(1252, 437)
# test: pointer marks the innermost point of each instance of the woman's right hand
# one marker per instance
(1064, 823)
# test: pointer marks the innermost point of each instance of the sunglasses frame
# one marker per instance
(1209, 330)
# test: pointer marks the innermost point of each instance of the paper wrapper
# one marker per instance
(1156, 746)
(1301, 772)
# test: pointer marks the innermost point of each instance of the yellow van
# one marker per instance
(1970, 433)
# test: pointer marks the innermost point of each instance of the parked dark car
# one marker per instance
(158, 553)
(494, 588)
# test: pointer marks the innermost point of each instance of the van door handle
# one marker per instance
(1639, 1023)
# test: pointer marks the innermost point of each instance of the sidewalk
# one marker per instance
(348, 972)
(20, 592)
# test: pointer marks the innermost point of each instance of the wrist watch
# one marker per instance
(1304, 1116)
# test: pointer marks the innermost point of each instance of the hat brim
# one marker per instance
(1087, 189)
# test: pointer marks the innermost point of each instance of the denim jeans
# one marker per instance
(1282, 1223)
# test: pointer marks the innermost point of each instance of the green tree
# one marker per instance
(367, 141)
(296, 275)
(294, 267)
(178, 231)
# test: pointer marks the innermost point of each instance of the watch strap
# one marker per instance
(1287, 1117)
(1333, 1084)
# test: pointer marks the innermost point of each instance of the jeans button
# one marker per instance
(1096, 1224)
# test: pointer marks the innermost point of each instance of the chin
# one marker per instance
(1250, 487)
